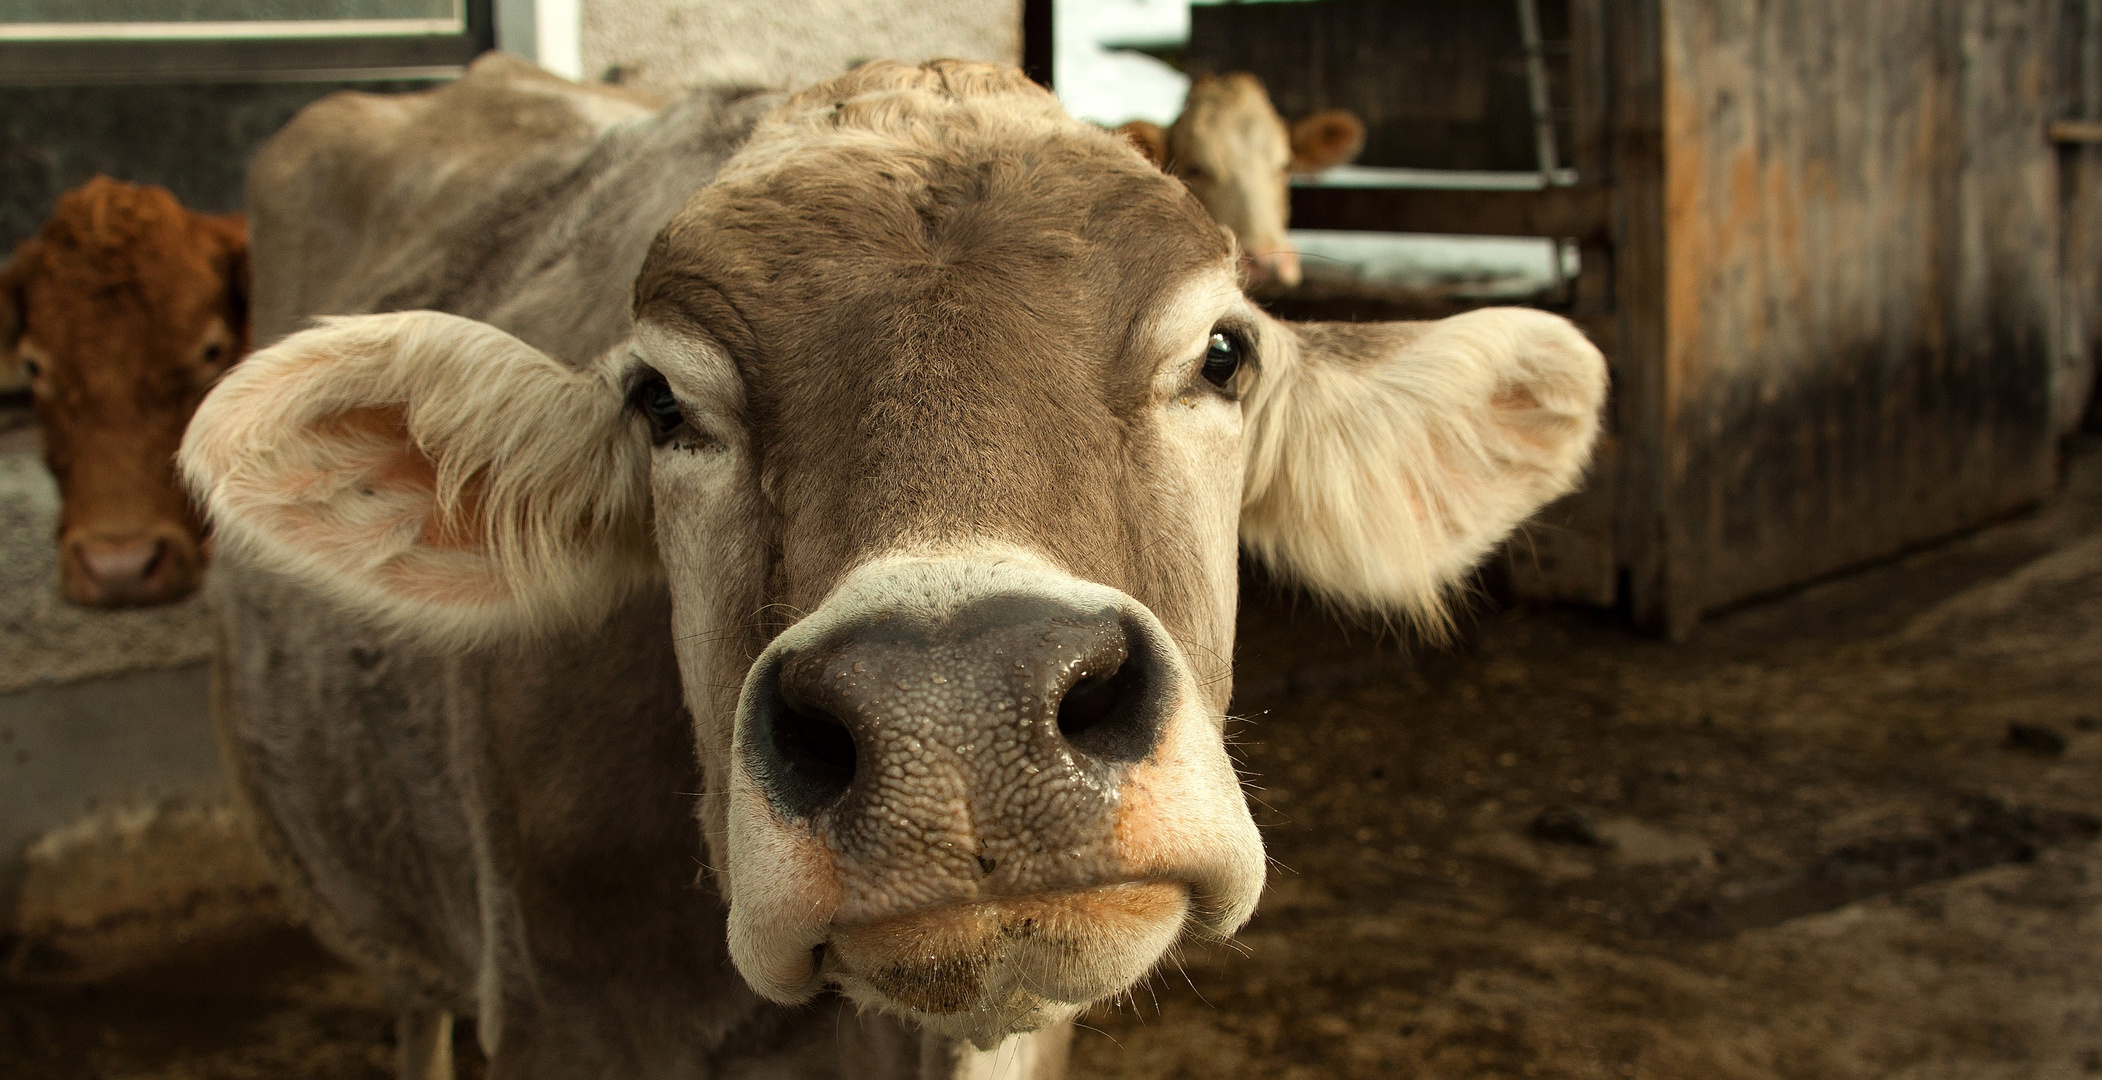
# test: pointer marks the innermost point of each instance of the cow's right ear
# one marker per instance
(1149, 139)
(430, 472)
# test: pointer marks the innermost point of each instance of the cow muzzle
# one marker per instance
(1278, 266)
(158, 564)
(979, 796)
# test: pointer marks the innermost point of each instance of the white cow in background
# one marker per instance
(1238, 155)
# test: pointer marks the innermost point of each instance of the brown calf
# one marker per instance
(121, 312)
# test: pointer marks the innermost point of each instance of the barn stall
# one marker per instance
(1558, 850)
(1841, 255)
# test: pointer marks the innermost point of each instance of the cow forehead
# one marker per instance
(1225, 131)
(945, 330)
(131, 279)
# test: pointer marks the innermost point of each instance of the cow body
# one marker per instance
(811, 503)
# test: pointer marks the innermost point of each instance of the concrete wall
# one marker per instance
(193, 139)
(787, 42)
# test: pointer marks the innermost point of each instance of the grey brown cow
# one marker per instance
(794, 642)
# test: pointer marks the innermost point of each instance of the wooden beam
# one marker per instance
(2076, 131)
(1036, 40)
(1581, 213)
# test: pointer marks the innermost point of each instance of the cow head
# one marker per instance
(120, 313)
(1237, 154)
(943, 418)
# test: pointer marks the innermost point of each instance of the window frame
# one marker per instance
(327, 54)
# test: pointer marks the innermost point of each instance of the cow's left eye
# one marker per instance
(655, 400)
(1222, 358)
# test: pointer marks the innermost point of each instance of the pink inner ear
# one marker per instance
(395, 480)
(400, 467)
(1515, 397)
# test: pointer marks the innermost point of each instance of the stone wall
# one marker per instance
(787, 42)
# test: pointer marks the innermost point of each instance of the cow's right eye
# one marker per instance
(31, 369)
(656, 401)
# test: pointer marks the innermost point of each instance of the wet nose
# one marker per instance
(124, 571)
(120, 563)
(892, 711)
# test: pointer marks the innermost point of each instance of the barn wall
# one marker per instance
(788, 42)
(2080, 216)
(1861, 282)
(1439, 85)
(194, 139)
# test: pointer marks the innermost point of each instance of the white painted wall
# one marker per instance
(786, 42)
(546, 32)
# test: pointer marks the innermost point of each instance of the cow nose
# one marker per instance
(1016, 683)
(1279, 265)
(121, 564)
(101, 569)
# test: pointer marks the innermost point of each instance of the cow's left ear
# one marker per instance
(1325, 140)
(227, 237)
(432, 473)
(1384, 460)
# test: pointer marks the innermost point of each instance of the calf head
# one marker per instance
(1238, 156)
(120, 313)
(941, 418)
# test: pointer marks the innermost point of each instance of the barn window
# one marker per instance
(90, 42)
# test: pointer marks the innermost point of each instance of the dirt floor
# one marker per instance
(1852, 832)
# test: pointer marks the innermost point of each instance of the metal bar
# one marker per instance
(2091, 62)
(1379, 176)
(93, 63)
(229, 31)
(2076, 131)
(244, 76)
(1543, 116)
(1561, 213)
(1536, 88)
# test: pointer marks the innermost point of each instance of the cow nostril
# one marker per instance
(1088, 704)
(818, 750)
(1103, 715)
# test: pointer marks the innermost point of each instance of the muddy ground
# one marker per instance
(1852, 832)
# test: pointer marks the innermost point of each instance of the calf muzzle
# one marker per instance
(140, 568)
